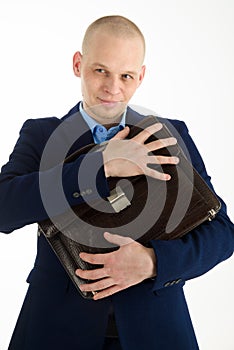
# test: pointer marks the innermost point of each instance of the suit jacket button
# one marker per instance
(167, 284)
(76, 194)
(178, 281)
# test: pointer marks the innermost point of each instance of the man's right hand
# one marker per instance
(129, 157)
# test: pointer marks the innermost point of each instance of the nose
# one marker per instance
(112, 85)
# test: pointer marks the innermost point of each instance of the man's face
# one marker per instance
(110, 70)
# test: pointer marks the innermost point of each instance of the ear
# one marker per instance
(141, 75)
(76, 63)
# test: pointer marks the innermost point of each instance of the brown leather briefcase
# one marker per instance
(138, 207)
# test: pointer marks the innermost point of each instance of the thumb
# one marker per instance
(117, 239)
(122, 134)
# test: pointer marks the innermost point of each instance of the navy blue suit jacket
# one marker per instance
(150, 315)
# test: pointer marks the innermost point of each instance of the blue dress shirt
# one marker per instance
(100, 133)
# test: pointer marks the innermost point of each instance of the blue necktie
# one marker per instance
(101, 134)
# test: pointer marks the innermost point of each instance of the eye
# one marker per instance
(127, 76)
(100, 70)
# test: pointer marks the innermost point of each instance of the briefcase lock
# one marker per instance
(118, 199)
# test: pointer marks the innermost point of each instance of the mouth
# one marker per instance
(109, 103)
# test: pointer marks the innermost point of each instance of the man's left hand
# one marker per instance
(129, 265)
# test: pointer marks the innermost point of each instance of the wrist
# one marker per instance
(152, 265)
(106, 166)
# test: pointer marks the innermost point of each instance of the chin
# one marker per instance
(108, 111)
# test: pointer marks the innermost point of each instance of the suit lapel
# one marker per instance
(132, 117)
(77, 131)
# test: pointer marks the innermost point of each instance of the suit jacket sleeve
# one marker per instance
(20, 199)
(201, 249)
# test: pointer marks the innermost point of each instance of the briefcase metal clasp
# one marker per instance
(118, 199)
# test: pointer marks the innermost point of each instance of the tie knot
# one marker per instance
(103, 133)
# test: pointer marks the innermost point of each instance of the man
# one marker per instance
(139, 289)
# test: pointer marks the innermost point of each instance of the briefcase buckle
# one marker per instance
(118, 199)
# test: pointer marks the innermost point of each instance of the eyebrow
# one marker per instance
(105, 67)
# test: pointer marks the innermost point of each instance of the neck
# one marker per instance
(101, 117)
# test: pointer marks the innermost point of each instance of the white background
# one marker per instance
(190, 76)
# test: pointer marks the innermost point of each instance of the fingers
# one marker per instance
(100, 259)
(124, 158)
(158, 161)
(125, 267)
(147, 132)
(97, 285)
(121, 135)
(102, 289)
(117, 239)
(163, 160)
(96, 259)
(157, 174)
(101, 276)
(154, 145)
(94, 274)
(158, 144)
(107, 292)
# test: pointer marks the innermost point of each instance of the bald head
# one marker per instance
(118, 26)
